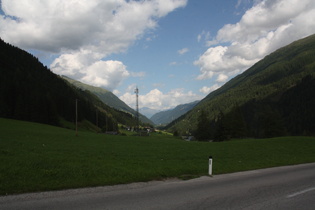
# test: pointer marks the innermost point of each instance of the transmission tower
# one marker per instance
(137, 108)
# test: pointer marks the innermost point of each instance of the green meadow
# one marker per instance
(36, 157)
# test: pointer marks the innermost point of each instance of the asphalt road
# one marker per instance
(290, 187)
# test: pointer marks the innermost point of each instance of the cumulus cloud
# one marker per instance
(82, 32)
(222, 78)
(105, 73)
(155, 99)
(267, 26)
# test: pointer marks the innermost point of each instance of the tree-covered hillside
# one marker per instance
(108, 98)
(30, 91)
(274, 97)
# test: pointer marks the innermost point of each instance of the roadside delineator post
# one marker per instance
(210, 165)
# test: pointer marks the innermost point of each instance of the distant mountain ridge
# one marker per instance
(165, 117)
(108, 98)
(257, 102)
(148, 112)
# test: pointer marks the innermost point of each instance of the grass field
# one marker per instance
(37, 157)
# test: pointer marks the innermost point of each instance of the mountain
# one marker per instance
(108, 98)
(148, 112)
(30, 91)
(165, 117)
(274, 97)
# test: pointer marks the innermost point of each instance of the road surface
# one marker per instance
(290, 187)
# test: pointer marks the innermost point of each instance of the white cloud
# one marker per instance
(207, 90)
(88, 69)
(81, 32)
(183, 51)
(116, 92)
(216, 60)
(156, 99)
(105, 73)
(54, 25)
(131, 88)
(267, 26)
(222, 78)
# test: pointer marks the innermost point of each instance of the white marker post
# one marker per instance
(210, 165)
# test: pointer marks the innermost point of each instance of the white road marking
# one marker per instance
(301, 192)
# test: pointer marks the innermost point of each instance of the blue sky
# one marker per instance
(165, 68)
(175, 51)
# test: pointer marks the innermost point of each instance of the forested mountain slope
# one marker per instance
(30, 91)
(272, 98)
(108, 98)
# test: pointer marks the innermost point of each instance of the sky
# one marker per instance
(174, 51)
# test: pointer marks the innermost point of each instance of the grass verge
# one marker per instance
(36, 157)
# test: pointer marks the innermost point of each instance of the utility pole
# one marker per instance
(106, 123)
(137, 108)
(96, 118)
(76, 117)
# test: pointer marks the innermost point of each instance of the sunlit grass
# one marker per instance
(37, 157)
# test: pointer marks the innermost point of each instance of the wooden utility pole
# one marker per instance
(76, 117)
(96, 118)
(137, 108)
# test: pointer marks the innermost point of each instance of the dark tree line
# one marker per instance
(274, 97)
(30, 91)
(289, 113)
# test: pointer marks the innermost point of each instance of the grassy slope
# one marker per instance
(37, 157)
